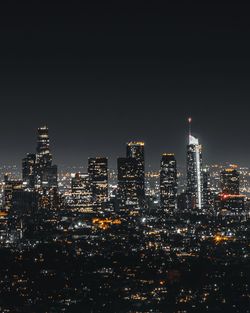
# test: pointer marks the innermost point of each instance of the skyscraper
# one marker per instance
(37, 169)
(81, 193)
(168, 182)
(9, 187)
(46, 173)
(194, 172)
(98, 174)
(135, 149)
(207, 192)
(28, 170)
(128, 189)
(24, 209)
(230, 181)
(43, 147)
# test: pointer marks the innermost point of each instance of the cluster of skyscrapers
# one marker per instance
(90, 193)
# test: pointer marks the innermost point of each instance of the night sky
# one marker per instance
(101, 75)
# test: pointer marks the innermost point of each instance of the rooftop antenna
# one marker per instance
(189, 125)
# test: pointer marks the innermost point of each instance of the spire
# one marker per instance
(189, 125)
(191, 139)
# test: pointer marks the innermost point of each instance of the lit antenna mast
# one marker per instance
(189, 125)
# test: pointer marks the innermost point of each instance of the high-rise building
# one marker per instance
(135, 149)
(230, 181)
(98, 174)
(207, 192)
(168, 183)
(28, 170)
(129, 191)
(194, 173)
(37, 169)
(43, 145)
(80, 198)
(230, 201)
(231, 204)
(46, 173)
(9, 187)
(24, 208)
(182, 202)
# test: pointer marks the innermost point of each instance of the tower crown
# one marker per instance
(193, 140)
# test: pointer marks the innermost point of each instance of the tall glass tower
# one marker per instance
(38, 170)
(135, 150)
(128, 189)
(194, 172)
(43, 140)
(168, 182)
(98, 173)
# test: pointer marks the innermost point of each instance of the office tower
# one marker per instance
(230, 181)
(40, 174)
(81, 193)
(9, 187)
(129, 191)
(194, 172)
(28, 170)
(182, 202)
(37, 169)
(49, 176)
(136, 150)
(24, 209)
(43, 155)
(229, 201)
(168, 183)
(207, 192)
(4, 222)
(98, 174)
(231, 204)
(43, 143)
(46, 173)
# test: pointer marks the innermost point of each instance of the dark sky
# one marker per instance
(104, 74)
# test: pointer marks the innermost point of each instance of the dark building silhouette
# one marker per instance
(39, 174)
(182, 202)
(129, 191)
(168, 183)
(9, 187)
(98, 174)
(25, 206)
(207, 192)
(46, 173)
(28, 170)
(135, 149)
(231, 204)
(37, 169)
(230, 181)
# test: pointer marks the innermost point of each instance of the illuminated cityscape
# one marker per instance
(126, 231)
(125, 157)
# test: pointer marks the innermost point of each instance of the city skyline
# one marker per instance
(125, 157)
(152, 160)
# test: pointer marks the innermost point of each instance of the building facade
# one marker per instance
(194, 174)
(230, 181)
(136, 150)
(128, 190)
(168, 183)
(80, 199)
(98, 174)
